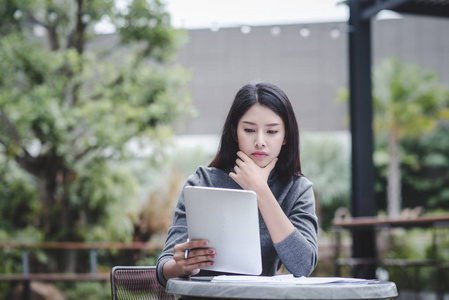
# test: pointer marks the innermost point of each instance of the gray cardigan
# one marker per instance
(298, 252)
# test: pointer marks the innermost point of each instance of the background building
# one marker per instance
(308, 61)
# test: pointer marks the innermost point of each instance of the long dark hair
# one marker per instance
(272, 97)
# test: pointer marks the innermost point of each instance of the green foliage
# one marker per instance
(70, 108)
(411, 108)
(417, 245)
(147, 261)
(161, 186)
(106, 200)
(18, 202)
(426, 176)
(150, 22)
(11, 259)
(407, 102)
(424, 168)
(407, 99)
(92, 290)
(410, 245)
(325, 162)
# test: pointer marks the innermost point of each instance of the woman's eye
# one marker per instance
(272, 131)
(249, 130)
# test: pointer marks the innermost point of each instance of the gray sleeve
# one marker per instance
(299, 251)
(177, 233)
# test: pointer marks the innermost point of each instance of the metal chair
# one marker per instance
(137, 283)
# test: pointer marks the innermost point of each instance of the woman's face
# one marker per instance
(261, 134)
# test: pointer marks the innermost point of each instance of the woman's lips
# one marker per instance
(259, 154)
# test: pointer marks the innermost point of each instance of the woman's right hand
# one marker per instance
(193, 255)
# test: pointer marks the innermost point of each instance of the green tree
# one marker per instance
(69, 107)
(325, 161)
(426, 171)
(408, 102)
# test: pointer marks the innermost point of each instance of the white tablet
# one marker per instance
(229, 220)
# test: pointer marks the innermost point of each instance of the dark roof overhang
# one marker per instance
(436, 8)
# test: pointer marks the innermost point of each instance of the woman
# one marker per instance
(259, 151)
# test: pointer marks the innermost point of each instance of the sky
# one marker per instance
(216, 14)
(192, 14)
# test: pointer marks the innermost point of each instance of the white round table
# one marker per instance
(194, 288)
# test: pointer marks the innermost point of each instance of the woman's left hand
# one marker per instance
(248, 174)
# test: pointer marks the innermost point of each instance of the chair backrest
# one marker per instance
(129, 283)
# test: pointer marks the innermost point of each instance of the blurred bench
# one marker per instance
(26, 276)
(91, 247)
(377, 224)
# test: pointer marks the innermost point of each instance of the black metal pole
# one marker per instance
(363, 201)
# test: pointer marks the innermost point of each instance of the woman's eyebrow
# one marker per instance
(248, 122)
(253, 123)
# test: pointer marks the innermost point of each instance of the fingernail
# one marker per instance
(205, 243)
(212, 256)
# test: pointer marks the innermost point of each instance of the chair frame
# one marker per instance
(144, 286)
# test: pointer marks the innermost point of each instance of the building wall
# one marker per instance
(310, 69)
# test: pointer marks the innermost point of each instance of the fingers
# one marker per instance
(192, 256)
(200, 255)
(195, 244)
(243, 157)
(180, 249)
(241, 161)
(248, 174)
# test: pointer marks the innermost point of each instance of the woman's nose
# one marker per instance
(260, 140)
